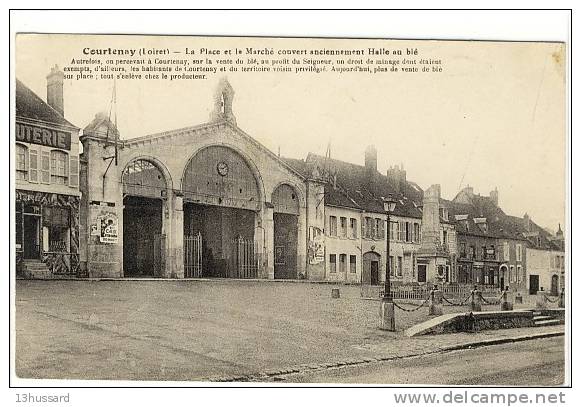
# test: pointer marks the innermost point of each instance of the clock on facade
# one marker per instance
(222, 168)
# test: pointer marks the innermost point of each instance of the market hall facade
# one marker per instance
(202, 201)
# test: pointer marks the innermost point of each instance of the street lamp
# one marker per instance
(388, 207)
(386, 310)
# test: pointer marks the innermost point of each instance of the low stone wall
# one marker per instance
(473, 322)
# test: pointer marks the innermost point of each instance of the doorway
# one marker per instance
(285, 245)
(31, 239)
(370, 273)
(143, 242)
(422, 273)
(533, 284)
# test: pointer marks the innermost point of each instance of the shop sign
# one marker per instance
(28, 133)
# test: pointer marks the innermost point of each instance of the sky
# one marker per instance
(494, 118)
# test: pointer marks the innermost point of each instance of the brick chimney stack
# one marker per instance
(396, 176)
(494, 196)
(54, 90)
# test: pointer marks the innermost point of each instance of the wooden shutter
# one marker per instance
(33, 165)
(74, 172)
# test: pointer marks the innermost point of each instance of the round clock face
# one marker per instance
(222, 168)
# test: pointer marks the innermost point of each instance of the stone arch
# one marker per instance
(286, 198)
(150, 189)
(222, 185)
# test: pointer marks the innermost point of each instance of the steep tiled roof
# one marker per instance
(30, 105)
(348, 185)
(499, 224)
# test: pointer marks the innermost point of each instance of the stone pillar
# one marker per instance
(436, 301)
(302, 243)
(268, 224)
(176, 250)
(386, 315)
(476, 299)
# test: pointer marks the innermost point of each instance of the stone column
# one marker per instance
(268, 224)
(302, 243)
(176, 249)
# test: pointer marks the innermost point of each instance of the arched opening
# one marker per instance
(370, 274)
(221, 204)
(286, 220)
(144, 192)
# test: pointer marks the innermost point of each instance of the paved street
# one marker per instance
(191, 330)
(535, 362)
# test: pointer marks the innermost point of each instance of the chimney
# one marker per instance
(494, 196)
(396, 176)
(54, 90)
(371, 159)
(527, 221)
(559, 233)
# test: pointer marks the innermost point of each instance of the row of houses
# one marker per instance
(210, 201)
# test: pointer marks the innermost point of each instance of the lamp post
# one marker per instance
(386, 310)
(389, 207)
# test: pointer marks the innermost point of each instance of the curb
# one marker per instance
(306, 368)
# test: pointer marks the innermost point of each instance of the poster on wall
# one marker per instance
(316, 246)
(109, 228)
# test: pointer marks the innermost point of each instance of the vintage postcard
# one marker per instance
(296, 210)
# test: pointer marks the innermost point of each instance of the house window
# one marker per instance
(445, 237)
(506, 251)
(512, 275)
(332, 226)
(417, 237)
(353, 227)
(369, 226)
(21, 162)
(401, 234)
(472, 252)
(379, 229)
(399, 269)
(408, 232)
(483, 253)
(519, 275)
(343, 263)
(518, 252)
(59, 167)
(343, 227)
(462, 249)
(393, 231)
(353, 264)
(333, 263)
(391, 265)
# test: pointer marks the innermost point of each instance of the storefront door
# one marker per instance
(31, 240)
